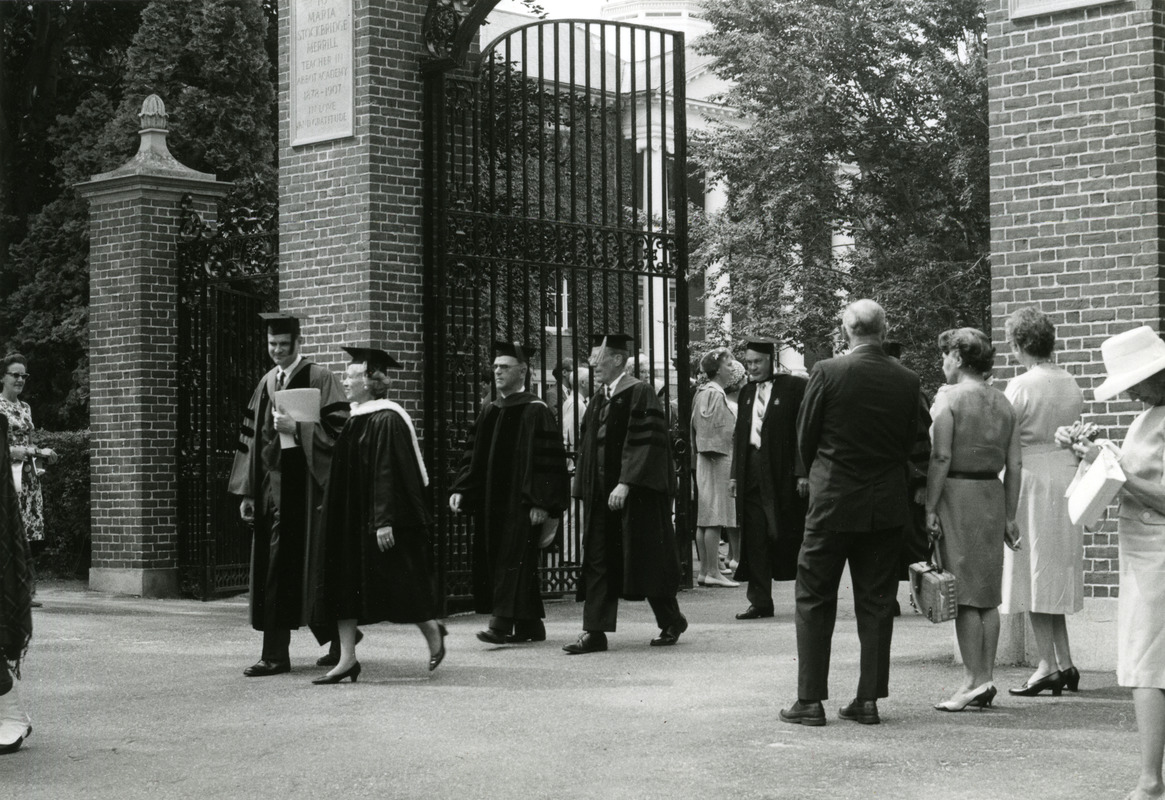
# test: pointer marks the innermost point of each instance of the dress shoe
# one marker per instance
(436, 658)
(527, 633)
(1053, 681)
(333, 655)
(588, 642)
(752, 612)
(352, 672)
(262, 669)
(491, 636)
(807, 712)
(1071, 679)
(671, 634)
(978, 698)
(864, 712)
(720, 580)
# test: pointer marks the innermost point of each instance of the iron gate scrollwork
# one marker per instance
(557, 202)
(224, 281)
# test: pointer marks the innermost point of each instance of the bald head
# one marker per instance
(864, 322)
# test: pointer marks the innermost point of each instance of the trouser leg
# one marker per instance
(276, 645)
(873, 567)
(755, 533)
(819, 568)
(503, 625)
(666, 610)
(602, 595)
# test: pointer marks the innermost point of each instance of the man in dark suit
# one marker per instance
(767, 477)
(856, 428)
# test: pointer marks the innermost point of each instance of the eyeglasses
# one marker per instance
(19, 376)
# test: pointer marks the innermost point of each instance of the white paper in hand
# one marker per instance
(1094, 488)
(302, 405)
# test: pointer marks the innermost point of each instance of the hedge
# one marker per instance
(65, 486)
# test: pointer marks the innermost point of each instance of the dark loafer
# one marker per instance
(671, 634)
(752, 612)
(262, 669)
(589, 642)
(810, 713)
(861, 711)
(490, 636)
(523, 636)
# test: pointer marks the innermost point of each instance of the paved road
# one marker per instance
(139, 698)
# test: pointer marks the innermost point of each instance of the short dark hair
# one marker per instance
(13, 358)
(1031, 331)
(565, 366)
(973, 347)
(715, 358)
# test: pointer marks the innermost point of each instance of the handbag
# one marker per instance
(932, 588)
(547, 532)
(1095, 486)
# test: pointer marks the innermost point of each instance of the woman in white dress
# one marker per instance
(1045, 578)
(1135, 364)
(712, 425)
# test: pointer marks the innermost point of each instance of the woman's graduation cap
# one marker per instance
(278, 323)
(514, 350)
(376, 359)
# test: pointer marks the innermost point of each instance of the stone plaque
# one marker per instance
(1019, 9)
(321, 70)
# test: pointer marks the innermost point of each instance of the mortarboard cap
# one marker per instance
(612, 341)
(762, 344)
(524, 354)
(376, 359)
(277, 322)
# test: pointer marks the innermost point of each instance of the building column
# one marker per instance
(133, 299)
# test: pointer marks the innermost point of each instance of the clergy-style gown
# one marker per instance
(514, 461)
(377, 479)
(629, 553)
(288, 487)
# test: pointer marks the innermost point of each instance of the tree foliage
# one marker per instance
(865, 123)
(208, 60)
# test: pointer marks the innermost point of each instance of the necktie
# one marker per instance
(279, 380)
(759, 405)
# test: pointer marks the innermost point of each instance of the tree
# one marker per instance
(866, 122)
(209, 62)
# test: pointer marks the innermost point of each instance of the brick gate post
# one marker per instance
(134, 225)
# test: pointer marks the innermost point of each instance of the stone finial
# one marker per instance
(153, 114)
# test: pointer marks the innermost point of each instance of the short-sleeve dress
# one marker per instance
(713, 422)
(1046, 574)
(972, 507)
(20, 430)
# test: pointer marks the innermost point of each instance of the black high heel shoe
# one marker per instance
(435, 660)
(1071, 679)
(352, 672)
(1053, 681)
(985, 698)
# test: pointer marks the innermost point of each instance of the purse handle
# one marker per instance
(935, 557)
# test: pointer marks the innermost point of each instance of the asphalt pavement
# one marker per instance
(134, 698)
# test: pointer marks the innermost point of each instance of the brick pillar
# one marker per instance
(133, 223)
(350, 209)
(1076, 213)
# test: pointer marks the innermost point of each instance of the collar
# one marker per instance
(611, 387)
(291, 369)
(384, 404)
(713, 386)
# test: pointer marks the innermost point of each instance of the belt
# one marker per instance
(973, 476)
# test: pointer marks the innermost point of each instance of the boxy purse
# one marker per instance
(932, 588)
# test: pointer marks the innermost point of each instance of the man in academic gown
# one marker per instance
(768, 477)
(512, 479)
(626, 484)
(282, 488)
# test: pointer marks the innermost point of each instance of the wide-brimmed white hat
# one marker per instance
(1129, 358)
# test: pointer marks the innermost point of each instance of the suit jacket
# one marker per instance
(781, 466)
(857, 427)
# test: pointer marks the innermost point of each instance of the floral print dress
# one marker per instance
(20, 435)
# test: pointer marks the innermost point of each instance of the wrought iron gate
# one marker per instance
(223, 284)
(557, 197)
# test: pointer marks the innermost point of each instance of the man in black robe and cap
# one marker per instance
(626, 483)
(768, 477)
(513, 480)
(282, 488)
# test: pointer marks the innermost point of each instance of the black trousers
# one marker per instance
(873, 564)
(754, 530)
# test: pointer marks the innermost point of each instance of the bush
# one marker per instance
(65, 486)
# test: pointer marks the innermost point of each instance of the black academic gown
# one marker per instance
(780, 467)
(625, 440)
(279, 572)
(513, 462)
(376, 481)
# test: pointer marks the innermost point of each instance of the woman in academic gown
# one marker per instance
(371, 560)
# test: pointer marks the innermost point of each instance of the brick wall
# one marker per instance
(350, 210)
(132, 351)
(1076, 205)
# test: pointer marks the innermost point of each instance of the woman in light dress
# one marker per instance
(969, 510)
(712, 425)
(1046, 577)
(1134, 362)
